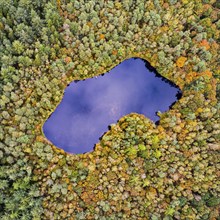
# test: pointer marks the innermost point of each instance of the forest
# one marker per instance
(138, 170)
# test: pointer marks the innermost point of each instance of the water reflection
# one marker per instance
(89, 106)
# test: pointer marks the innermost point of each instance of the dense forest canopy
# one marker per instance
(138, 170)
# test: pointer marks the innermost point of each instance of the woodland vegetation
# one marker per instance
(138, 170)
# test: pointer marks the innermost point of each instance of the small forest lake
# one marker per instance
(90, 106)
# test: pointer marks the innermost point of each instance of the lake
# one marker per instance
(90, 106)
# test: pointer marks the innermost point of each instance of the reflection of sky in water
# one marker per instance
(89, 106)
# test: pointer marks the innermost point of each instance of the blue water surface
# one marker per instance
(90, 106)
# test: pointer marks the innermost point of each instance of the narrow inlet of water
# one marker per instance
(90, 106)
